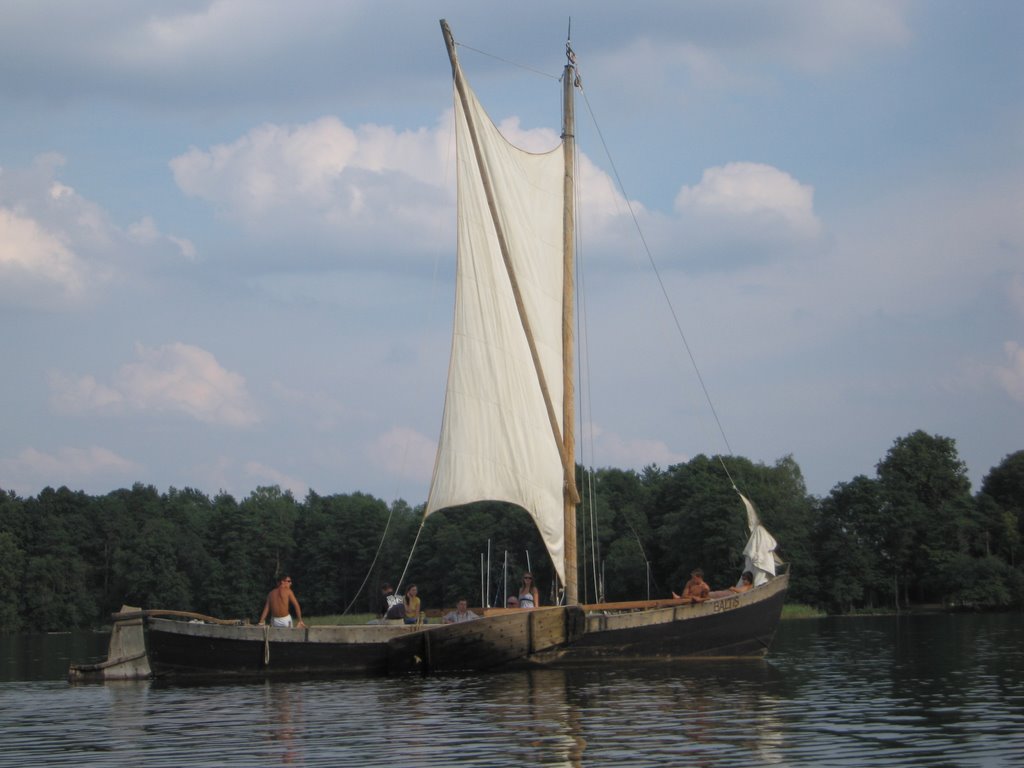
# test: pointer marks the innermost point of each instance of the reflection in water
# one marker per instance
(937, 690)
(283, 710)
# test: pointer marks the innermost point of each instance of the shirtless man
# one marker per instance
(696, 588)
(278, 602)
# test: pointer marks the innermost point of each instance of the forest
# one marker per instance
(912, 535)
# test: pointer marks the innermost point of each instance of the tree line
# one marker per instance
(912, 534)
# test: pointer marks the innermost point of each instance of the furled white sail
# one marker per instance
(497, 441)
(759, 555)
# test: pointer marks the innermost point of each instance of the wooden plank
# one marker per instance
(636, 605)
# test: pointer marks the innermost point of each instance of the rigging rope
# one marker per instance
(412, 549)
(661, 283)
(380, 546)
(585, 400)
(508, 61)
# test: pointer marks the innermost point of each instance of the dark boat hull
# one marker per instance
(183, 649)
(738, 626)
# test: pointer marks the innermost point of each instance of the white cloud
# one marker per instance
(755, 193)
(81, 394)
(261, 474)
(145, 232)
(59, 249)
(67, 466)
(817, 36)
(1011, 377)
(632, 453)
(175, 377)
(404, 453)
(185, 378)
(34, 263)
(370, 180)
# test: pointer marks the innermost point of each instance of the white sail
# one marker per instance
(759, 553)
(497, 441)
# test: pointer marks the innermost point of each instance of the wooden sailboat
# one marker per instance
(507, 435)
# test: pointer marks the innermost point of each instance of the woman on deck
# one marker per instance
(412, 606)
(529, 596)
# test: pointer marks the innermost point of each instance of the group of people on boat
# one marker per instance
(410, 610)
(696, 590)
(281, 600)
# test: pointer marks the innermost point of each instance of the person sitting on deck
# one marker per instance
(460, 614)
(278, 605)
(392, 606)
(746, 583)
(696, 589)
(512, 602)
(413, 614)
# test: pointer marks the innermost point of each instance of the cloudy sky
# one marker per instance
(227, 232)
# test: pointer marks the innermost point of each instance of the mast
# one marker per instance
(568, 345)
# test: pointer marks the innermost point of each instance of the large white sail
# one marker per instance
(497, 441)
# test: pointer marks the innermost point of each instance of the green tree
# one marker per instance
(191, 513)
(234, 586)
(348, 545)
(271, 514)
(850, 566)
(12, 565)
(925, 494)
(1004, 485)
(151, 568)
(614, 536)
(702, 523)
(57, 574)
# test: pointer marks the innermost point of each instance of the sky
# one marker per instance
(227, 233)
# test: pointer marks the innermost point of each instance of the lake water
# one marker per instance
(923, 691)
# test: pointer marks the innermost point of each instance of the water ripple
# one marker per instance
(924, 692)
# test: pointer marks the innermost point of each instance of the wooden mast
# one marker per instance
(571, 496)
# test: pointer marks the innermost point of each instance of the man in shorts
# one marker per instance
(279, 603)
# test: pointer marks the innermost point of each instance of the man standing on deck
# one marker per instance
(278, 604)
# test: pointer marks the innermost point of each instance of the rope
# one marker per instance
(376, 555)
(583, 386)
(668, 301)
(508, 61)
(409, 559)
(661, 283)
